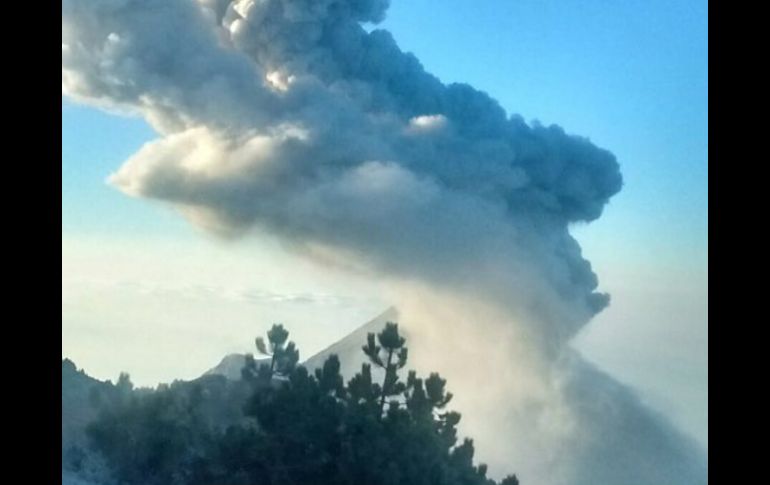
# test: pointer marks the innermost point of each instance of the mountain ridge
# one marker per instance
(231, 364)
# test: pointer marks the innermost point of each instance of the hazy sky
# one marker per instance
(140, 286)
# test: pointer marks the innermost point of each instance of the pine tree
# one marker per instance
(391, 345)
(283, 356)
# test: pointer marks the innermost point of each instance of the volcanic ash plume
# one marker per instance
(287, 117)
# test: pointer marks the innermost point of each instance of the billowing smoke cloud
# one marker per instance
(556, 421)
(289, 117)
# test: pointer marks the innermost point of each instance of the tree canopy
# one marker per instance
(295, 427)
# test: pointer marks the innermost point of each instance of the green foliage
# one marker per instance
(283, 357)
(151, 437)
(391, 344)
(303, 428)
(74, 458)
(510, 480)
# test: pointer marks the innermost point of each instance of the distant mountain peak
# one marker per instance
(230, 366)
(349, 348)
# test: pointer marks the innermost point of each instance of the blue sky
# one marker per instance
(630, 75)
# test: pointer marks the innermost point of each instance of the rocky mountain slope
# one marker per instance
(349, 348)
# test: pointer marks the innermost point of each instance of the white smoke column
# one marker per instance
(553, 421)
(286, 116)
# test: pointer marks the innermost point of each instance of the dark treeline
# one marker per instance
(282, 425)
